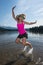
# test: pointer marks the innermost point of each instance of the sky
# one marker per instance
(33, 9)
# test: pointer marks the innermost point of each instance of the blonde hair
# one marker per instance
(21, 15)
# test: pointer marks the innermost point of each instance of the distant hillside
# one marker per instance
(36, 29)
(33, 29)
(3, 28)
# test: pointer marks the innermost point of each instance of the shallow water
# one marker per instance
(9, 50)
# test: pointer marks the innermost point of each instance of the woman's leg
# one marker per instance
(17, 40)
(26, 43)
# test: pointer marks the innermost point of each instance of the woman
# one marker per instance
(22, 32)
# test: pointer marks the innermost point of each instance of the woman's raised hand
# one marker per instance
(13, 7)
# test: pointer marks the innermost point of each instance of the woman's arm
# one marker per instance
(13, 12)
(30, 23)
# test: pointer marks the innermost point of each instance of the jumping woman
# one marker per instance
(22, 32)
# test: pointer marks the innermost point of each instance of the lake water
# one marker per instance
(9, 49)
(10, 37)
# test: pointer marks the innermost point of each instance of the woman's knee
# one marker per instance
(17, 40)
(24, 43)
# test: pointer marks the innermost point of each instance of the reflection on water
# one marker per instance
(36, 37)
(9, 51)
(8, 37)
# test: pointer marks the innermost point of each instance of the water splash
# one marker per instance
(38, 61)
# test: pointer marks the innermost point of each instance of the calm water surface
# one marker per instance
(35, 39)
(9, 49)
(10, 37)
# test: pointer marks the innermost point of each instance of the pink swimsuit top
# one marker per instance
(20, 27)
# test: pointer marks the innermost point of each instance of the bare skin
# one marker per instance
(27, 23)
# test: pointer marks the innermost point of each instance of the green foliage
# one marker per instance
(36, 29)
